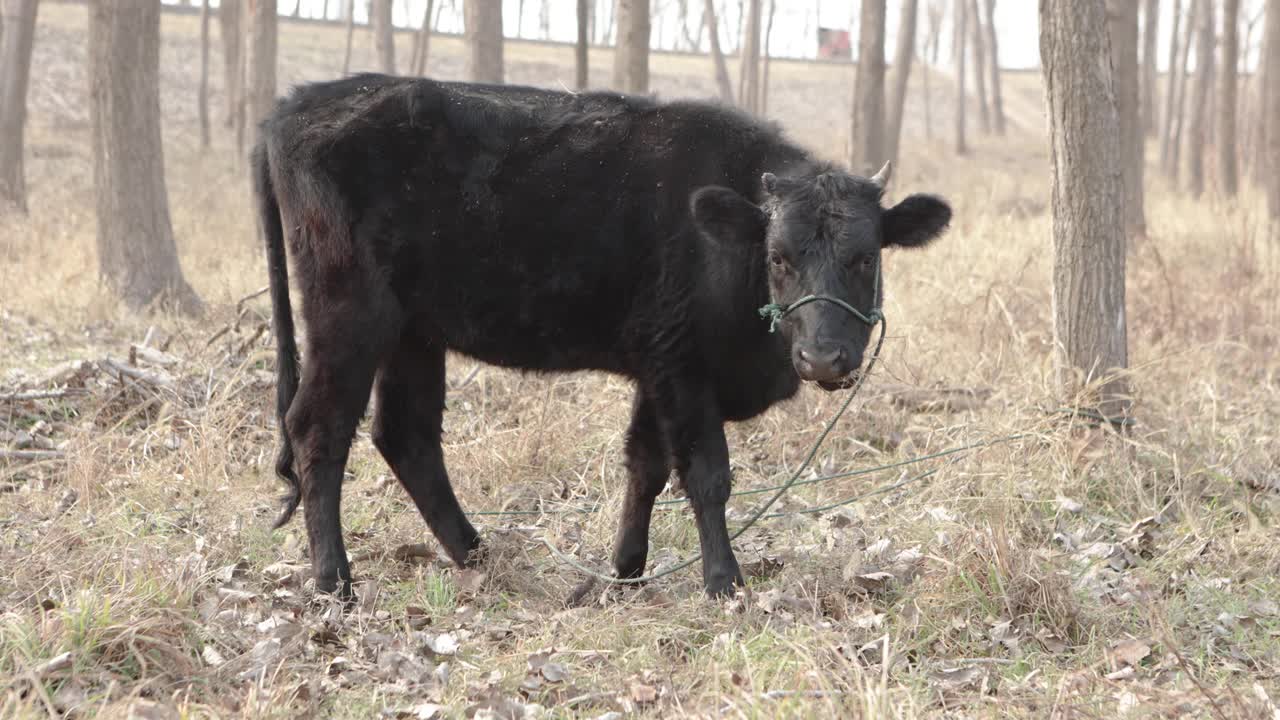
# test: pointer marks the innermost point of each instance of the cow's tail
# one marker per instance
(282, 320)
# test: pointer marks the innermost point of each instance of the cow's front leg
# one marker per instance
(695, 432)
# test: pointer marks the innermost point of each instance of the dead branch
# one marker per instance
(256, 293)
(941, 399)
(138, 374)
(41, 394)
(24, 455)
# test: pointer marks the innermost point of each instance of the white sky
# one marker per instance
(794, 32)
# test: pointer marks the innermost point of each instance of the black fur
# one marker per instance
(546, 231)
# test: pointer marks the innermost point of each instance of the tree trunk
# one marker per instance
(993, 64)
(1123, 25)
(1262, 94)
(1271, 92)
(262, 61)
(136, 252)
(717, 56)
(905, 50)
(1171, 94)
(17, 38)
(1228, 167)
(1179, 112)
(1196, 136)
(484, 36)
(422, 42)
(1150, 69)
(229, 30)
(1089, 322)
(867, 150)
(631, 51)
(980, 66)
(929, 58)
(580, 51)
(351, 31)
(962, 146)
(764, 73)
(749, 83)
(202, 96)
(384, 38)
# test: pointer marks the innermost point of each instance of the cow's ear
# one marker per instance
(916, 221)
(726, 216)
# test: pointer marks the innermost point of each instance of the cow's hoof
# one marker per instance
(724, 586)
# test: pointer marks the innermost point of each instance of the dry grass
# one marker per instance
(1075, 572)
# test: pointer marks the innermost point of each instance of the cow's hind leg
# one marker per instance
(409, 402)
(648, 466)
(332, 395)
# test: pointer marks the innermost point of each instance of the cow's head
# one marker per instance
(824, 231)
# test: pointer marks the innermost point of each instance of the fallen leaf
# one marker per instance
(554, 672)
(1068, 505)
(211, 656)
(1131, 652)
(416, 617)
(443, 644)
(952, 680)
(642, 694)
(414, 553)
(469, 581)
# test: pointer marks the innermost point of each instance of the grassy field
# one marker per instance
(1074, 572)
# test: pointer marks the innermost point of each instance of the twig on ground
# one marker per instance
(31, 454)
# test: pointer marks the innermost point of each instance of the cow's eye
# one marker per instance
(863, 263)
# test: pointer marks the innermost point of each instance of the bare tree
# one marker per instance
(902, 55)
(484, 35)
(1150, 69)
(202, 94)
(384, 38)
(717, 56)
(17, 38)
(631, 51)
(1196, 135)
(232, 67)
(262, 61)
(958, 47)
(749, 71)
(1262, 79)
(1271, 91)
(764, 73)
(580, 52)
(422, 41)
(1228, 167)
(1123, 26)
(867, 151)
(349, 10)
(1171, 94)
(933, 39)
(136, 252)
(1179, 114)
(993, 64)
(980, 66)
(1089, 324)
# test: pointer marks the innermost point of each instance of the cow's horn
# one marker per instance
(881, 179)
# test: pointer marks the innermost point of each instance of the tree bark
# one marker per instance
(905, 50)
(350, 12)
(1171, 94)
(717, 55)
(1271, 92)
(202, 95)
(962, 146)
(1150, 69)
(1179, 112)
(581, 57)
(1123, 26)
(867, 150)
(384, 39)
(262, 61)
(137, 256)
(484, 36)
(1228, 166)
(17, 38)
(1196, 135)
(749, 77)
(930, 57)
(980, 66)
(1090, 335)
(422, 42)
(993, 64)
(631, 51)
(229, 30)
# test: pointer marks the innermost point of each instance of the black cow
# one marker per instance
(552, 231)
